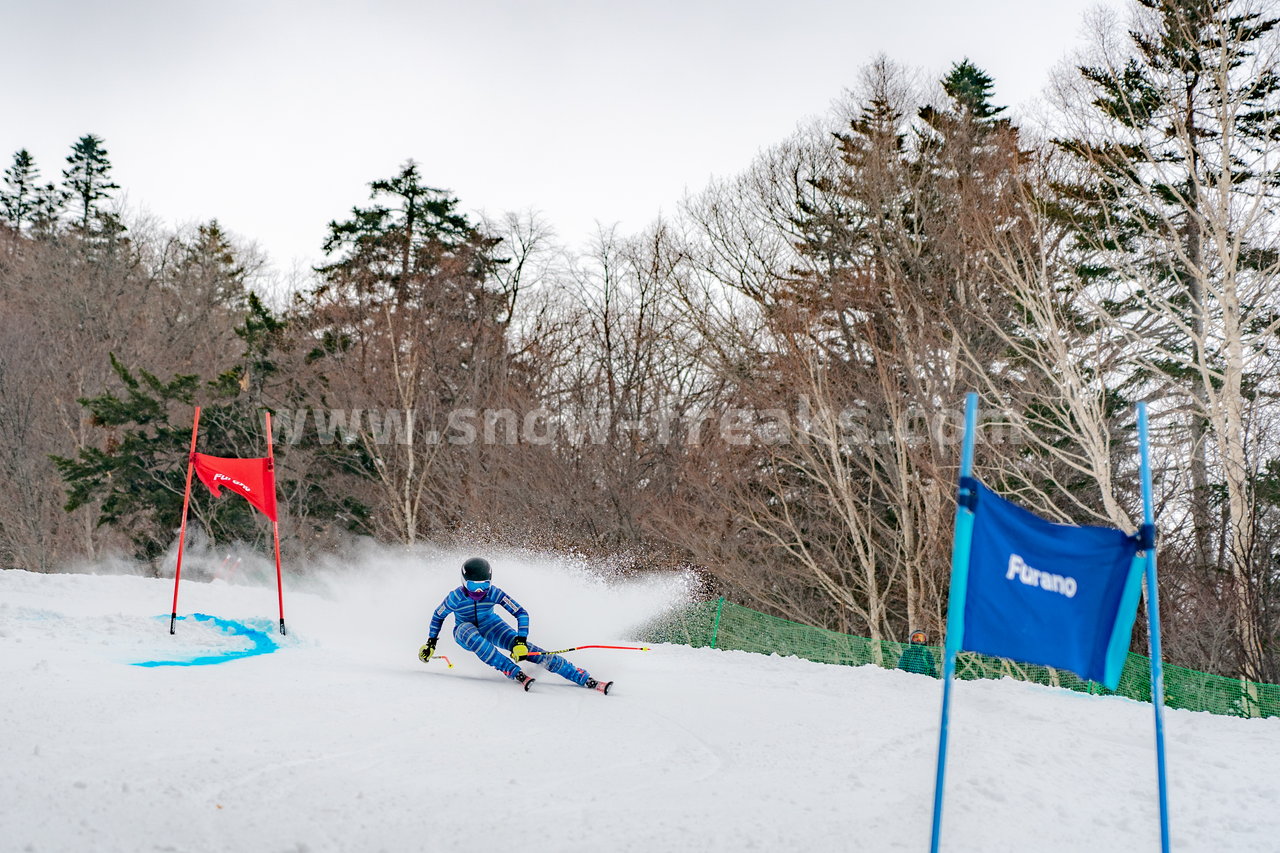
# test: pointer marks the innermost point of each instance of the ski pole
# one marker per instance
(575, 648)
(443, 658)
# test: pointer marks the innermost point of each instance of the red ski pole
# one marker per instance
(576, 648)
(182, 533)
(275, 526)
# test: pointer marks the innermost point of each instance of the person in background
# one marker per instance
(917, 658)
(479, 629)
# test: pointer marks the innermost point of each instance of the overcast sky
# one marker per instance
(273, 117)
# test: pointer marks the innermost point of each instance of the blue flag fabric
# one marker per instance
(1050, 594)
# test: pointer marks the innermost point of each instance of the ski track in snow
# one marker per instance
(341, 740)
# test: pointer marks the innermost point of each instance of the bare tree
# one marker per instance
(1175, 206)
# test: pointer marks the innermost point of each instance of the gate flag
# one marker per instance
(1051, 594)
(254, 479)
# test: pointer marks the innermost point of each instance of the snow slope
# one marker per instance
(341, 740)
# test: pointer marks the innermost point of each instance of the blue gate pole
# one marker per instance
(960, 545)
(1153, 620)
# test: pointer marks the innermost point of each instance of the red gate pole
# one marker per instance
(182, 535)
(275, 525)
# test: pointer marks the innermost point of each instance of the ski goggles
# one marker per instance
(477, 589)
(919, 638)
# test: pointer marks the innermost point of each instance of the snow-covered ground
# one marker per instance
(341, 740)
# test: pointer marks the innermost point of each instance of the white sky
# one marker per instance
(273, 117)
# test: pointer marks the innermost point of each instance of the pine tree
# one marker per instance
(964, 149)
(136, 475)
(24, 201)
(963, 177)
(407, 320)
(898, 305)
(208, 263)
(869, 323)
(970, 89)
(87, 179)
(381, 248)
(18, 200)
(47, 209)
(1171, 207)
(854, 221)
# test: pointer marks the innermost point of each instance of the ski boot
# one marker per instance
(602, 686)
(521, 678)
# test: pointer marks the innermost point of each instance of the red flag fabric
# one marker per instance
(252, 478)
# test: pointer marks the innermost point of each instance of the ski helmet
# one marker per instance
(475, 577)
(477, 569)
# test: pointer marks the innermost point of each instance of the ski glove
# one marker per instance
(427, 650)
(520, 649)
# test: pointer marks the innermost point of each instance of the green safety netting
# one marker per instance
(721, 624)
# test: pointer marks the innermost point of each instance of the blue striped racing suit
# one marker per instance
(479, 629)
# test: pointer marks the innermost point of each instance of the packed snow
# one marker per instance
(339, 739)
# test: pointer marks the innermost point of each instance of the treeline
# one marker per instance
(766, 387)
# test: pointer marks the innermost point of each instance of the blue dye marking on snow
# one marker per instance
(262, 643)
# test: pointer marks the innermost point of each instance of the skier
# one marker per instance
(917, 658)
(477, 628)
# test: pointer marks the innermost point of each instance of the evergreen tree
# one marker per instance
(410, 265)
(263, 335)
(137, 474)
(970, 90)
(893, 212)
(1172, 209)
(19, 198)
(408, 322)
(418, 215)
(964, 150)
(852, 227)
(407, 233)
(47, 208)
(209, 264)
(901, 302)
(994, 260)
(87, 179)
(24, 201)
